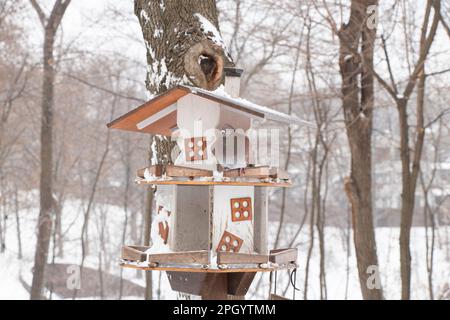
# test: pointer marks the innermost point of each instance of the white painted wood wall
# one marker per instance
(222, 216)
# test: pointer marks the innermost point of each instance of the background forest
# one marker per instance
(292, 58)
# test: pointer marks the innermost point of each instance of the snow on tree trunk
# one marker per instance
(184, 46)
(183, 43)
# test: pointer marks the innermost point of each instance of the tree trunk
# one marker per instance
(184, 46)
(19, 234)
(46, 197)
(358, 108)
(147, 229)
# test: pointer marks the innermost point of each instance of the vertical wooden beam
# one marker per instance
(261, 219)
(239, 283)
(216, 287)
(191, 214)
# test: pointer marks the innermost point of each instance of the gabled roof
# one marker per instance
(159, 115)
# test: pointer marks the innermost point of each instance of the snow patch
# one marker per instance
(212, 33)
(157, 33)
(162, 6)
(144, 16)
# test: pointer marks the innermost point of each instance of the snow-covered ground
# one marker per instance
(12, 270)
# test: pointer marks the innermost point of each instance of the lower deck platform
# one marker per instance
(200, 261)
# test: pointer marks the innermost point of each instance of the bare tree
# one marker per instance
(358, 102)
(410, 155)
(183, 46)
(50, 25)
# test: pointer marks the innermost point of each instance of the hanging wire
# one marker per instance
(293, 280)
(270, 285)
(276, 273)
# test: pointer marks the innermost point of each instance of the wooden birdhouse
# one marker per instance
(211, 225)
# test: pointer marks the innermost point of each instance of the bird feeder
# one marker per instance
(210, 233)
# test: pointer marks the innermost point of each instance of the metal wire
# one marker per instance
(293, 280)
(276, 273)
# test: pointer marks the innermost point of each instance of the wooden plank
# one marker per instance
(280, 174)
(187, 282)
(129, 120)
(224, 230)
(261, 220)
(174, 171)
(134, 253)
(155, 170)
(184, 268)
(199, 257)
(215, 287)
(238, 283)
(190, 224)
(257, 172)
(217, 183)
(224, 257)
(277, 297)
(253, 172)
(282, 256)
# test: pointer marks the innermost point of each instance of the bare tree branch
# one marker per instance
(103, 89)
(40, 13)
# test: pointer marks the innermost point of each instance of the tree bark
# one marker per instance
(183, 47)
(410, 160)
(176, 37)
(358, 102)
(148, 209)
(50, 26)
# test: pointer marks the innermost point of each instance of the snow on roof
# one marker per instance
(268, 113)
(163, 109)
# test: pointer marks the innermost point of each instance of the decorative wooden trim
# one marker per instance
(239, 283)
(229, 243)
(198, 257)
(241, 209)
(282, 256)
(195, 149)
(174, 171)
(241, 258)
(274, 296)
(197, 268)
(187, 282)
(134, 253)
(129, 120)
(163, 230)
(218, 183)
(155, 170)
(257, 172)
